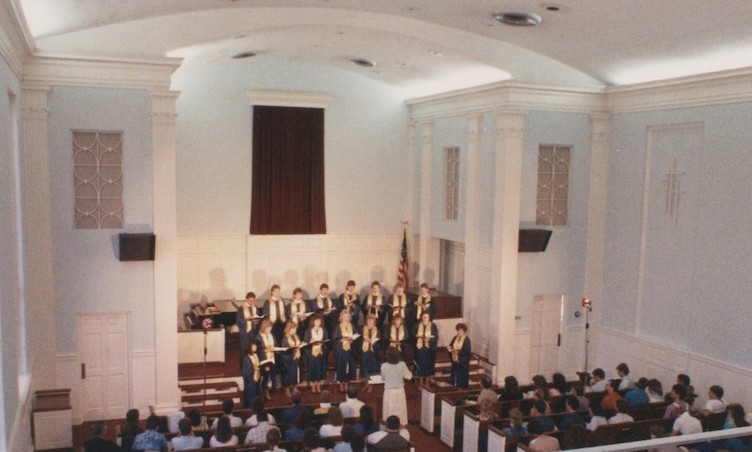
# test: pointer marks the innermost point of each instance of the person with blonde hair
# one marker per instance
(343, 338)
(369, 350)
(315, 338)
(291, 358)
(266, 345)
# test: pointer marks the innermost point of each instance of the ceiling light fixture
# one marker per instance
(241, 55)
(518, 19)
(363, 62)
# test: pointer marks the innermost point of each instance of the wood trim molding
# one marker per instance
(289, 99)
(15, 39)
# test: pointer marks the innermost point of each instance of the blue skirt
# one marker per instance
(426, 359)
(345, 366)
(316, 367)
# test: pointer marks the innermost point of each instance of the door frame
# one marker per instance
(546, 298)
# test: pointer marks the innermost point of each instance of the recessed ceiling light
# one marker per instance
(555, 7)
(241, 55)
(363, 62)
(518, 19)
(435, 53)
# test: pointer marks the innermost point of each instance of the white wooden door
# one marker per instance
(104, 365)
(545, 334)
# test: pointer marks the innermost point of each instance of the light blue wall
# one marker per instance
(365, 140)
(88, 275)
(9, 259)
(711, 317)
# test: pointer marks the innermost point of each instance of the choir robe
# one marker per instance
(401, 305)
(418, 311)
(251, 378)
(344, 352)
(320, 305)
(354, 307)
(398, 338)
(425, 348)
(247, 330)
(291, 359)
(460, 373)
(316, 354)
(375, 305)
(265, 344)
(369, 352)
(292, 310)
(275, 310)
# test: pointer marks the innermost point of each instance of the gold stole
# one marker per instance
(373, 305)
(399, 308)
(323, 303)
(275, 308)
(268, 345)
(368, 334)
(317, 334)
(256, 367)
(396, 335)
(426, 301)
(247, 316)
(295, 309)
(293, 341)
(424, 331)
(456, 347)
(346, 331)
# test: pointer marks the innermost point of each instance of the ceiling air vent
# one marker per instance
(518, 19)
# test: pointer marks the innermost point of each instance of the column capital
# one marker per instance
(163, 105)
(34, 101)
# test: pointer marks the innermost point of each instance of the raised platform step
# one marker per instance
(216, 385)
(199, 398)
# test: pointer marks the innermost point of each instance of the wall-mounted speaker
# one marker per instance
(533, 240)
(137, 247)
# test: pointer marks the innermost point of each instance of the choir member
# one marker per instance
(297, 311)
(251, 374)
(426, 335)
(369, 350)
(399, 303)
(314, 338)
(247, 320)
(374, 303)
(398, 336)
(274, 310)
(350, 301)
(324, 305)
(423, 303)
(459, 347)
(343, 338)
(291, 357)
(267, 343)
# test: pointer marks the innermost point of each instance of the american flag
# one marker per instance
(403, 264)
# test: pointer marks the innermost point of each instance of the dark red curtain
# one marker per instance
(287, 193)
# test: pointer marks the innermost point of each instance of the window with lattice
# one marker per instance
(98, 179)
(553, 185)
(452, 195)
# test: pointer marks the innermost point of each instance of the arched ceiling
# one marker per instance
(419, 47)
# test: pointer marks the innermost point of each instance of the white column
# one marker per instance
(504, 261)
(37, 233)
(469, 297)
(426, 143)
(600, 142)
(165, 263)
(410, 195)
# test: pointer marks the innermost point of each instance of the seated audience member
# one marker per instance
(609, 400)
(130, 429)
(351, 406)
(638, 395)
(598, 418)
(302, 423)
(393, 438)
(686, 424)
(348, 434)
(332, 426)
(197, 423)
(626, 383)
(291, 414)
(538, 396)
(516, 428)
(273, 438)
(579, 391)
(559, 382)
(223, 435)
(678, 406)
(150, 439)
(539, 413)
(541, 441)
(572, 416)
(186, 440)
(257, 434)
(656, 432)
(620, 417)
(227, 407)
(486, 392)
(487, 412)
(366, 425)
(683, 379)
(598, 383)
(736, 418)
(358, 444)
(511, 390)
(258, 406)
(97, 443)
(324, 404)
(655, 391)
(311, 441)
(540, 387)
(715, 403)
